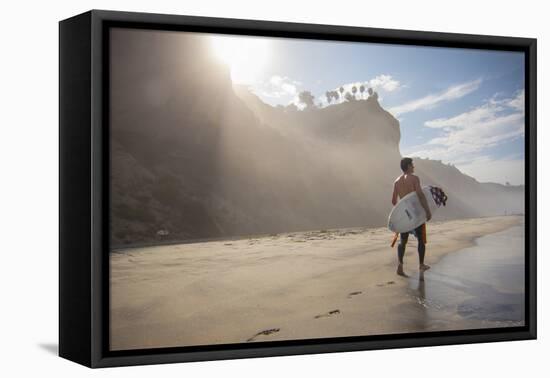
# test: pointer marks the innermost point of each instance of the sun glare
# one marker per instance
(246, 56)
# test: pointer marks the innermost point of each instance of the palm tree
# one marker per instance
(362, 89)
(306, 98)
(328, 95)
(342, 92)
(354, 90)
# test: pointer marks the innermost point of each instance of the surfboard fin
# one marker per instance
(394, 239)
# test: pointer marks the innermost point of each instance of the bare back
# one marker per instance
(405, 184)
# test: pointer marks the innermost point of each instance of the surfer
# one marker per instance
(403, 185)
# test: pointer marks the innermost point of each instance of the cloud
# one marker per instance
(380, 83)
(279, 87)
(517, 102)
(384, 83)
(486, 126)
(489, 115)
(464, 139)
(432, 100)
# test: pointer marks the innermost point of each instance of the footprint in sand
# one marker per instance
(330, 313)
(265, 332)
(385, 283)
(352, 294)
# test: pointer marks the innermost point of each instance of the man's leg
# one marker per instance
(421, 249)
(401, 252)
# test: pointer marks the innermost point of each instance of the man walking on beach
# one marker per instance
(403, 185)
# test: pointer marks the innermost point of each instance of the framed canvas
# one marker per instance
(236, 188)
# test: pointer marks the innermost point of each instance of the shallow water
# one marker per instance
(477, 287)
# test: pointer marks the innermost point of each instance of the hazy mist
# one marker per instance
(193, 156)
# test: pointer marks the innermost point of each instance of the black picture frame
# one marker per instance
(84, 190)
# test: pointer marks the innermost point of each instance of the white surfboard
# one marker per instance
(408, 214)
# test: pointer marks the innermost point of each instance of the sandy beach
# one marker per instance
(299, 285)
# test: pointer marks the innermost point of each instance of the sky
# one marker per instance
(464, 107)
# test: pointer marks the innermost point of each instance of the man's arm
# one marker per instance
(394, 195)
(422, 198)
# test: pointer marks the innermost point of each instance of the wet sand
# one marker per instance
(301, 285)
(482, 286)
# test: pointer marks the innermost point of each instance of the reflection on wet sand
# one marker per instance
(482, 286)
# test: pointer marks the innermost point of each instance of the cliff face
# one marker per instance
(193, 157)
(170, 103)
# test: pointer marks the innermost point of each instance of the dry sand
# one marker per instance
(301, 285)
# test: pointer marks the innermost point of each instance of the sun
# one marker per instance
(246, 56)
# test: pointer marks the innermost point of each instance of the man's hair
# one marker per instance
(405, 162)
